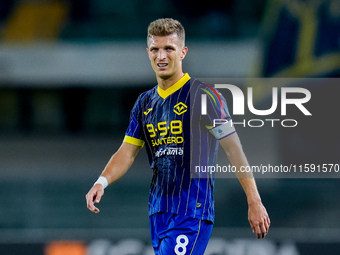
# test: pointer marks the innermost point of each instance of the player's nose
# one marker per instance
(161, 54)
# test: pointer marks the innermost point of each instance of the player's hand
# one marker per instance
(258, 219)
(94, 196)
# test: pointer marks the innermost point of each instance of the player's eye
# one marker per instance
(153, 49)
(169, 48)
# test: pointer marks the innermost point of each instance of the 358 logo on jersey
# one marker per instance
(166, 133)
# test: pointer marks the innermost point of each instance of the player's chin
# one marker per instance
(162, 71)
(163, 75)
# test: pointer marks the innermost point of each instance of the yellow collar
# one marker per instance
(179, 84)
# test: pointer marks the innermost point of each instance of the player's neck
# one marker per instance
(164, 84)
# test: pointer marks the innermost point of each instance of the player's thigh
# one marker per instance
(183, 240)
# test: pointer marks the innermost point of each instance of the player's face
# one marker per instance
(166, 54)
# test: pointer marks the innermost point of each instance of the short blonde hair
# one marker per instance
(167, 26)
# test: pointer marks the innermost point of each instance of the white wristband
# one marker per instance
(103, 181)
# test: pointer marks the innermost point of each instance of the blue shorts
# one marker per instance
(178, 234)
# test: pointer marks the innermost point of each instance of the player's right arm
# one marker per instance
(117, 166)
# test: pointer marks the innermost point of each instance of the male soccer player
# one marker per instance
(168, 121)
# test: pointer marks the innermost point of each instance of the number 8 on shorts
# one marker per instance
(181, 244)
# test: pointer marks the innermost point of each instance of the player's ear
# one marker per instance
(184, 52)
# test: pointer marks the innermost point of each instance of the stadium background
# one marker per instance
(70, 72)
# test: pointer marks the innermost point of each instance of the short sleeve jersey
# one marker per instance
(178, 137)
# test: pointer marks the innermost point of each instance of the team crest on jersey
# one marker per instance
(180, 108)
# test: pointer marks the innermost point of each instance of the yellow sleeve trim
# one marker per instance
(134, 141)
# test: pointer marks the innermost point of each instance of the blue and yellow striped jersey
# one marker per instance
(177, 137)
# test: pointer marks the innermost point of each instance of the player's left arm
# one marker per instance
(257, 213)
